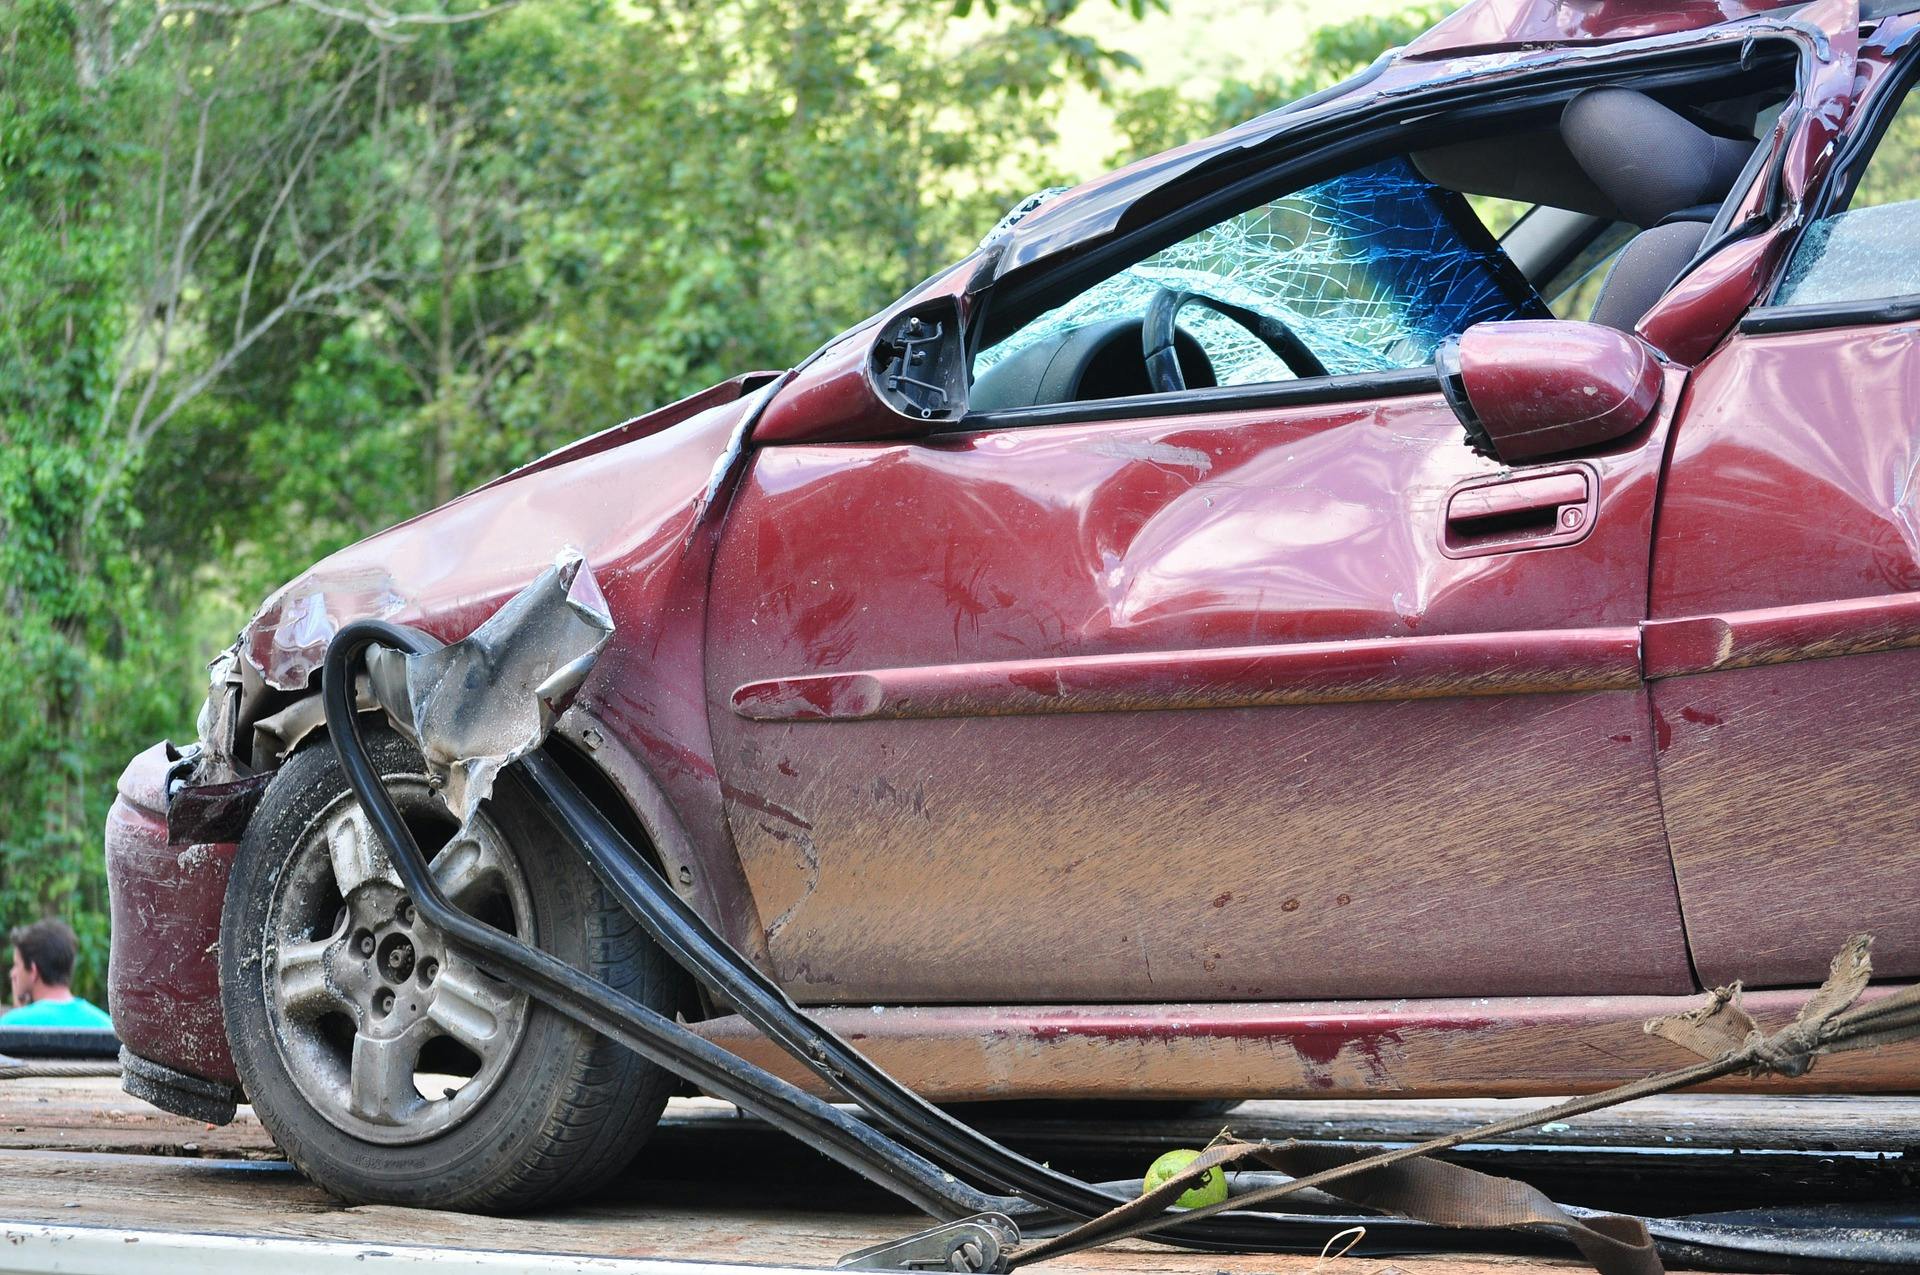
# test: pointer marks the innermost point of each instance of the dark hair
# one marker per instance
(49, 947)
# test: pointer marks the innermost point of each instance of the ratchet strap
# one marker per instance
(1405, 1182)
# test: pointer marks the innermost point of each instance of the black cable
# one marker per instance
(586, 1000)
(1052, 1197)
(686, 937)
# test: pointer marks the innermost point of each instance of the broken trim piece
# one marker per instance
(1527, 662)
(853, 1142)
(1781, 635)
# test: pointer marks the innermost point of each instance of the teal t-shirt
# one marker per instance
(70, 1013)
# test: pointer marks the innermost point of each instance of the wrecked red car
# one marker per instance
(1247, 630)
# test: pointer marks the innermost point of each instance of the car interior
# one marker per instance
(1592, 211)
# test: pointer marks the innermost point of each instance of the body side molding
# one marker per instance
(1517, 663)
(1780, 635)
(1529, 662)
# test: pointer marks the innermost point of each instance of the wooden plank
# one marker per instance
(713, 1185)
(93, 1114)
(27, 1249)
(178, 1196)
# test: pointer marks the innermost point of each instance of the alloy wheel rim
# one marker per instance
(387, 1033)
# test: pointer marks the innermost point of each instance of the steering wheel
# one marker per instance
(1157, 333)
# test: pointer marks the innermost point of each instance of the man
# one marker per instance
(42, 969)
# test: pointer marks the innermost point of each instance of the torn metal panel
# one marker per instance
(219, 718)
(200, 813)
(478, 704)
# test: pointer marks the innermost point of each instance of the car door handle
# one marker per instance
(1531, 511)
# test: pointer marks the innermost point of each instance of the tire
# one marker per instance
(325, 1002)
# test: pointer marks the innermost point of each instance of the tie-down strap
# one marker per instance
(1406, 1183)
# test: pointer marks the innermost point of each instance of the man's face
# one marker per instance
(22, 977)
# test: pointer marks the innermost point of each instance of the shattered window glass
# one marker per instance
(1859, 255)
(1372, 270)
(1867, 251)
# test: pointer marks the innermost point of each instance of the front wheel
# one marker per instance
(387, 1067)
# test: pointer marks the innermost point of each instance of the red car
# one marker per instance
(1246, 630)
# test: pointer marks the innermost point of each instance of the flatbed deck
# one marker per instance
(85, 1168)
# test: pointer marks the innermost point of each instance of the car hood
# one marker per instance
(629, 498)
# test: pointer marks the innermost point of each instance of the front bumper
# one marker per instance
(163, 981)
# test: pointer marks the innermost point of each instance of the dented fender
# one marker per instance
(638, 503)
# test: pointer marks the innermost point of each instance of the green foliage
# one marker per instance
(77, 637)
(1058, 10)
(1162, 117)
(270, 283)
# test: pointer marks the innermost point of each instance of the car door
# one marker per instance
(1786, 586)
(1271, 689)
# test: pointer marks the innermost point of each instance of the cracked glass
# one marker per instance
(1866, 251)
(1371, 269)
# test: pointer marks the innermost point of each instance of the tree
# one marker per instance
(1160, 117)
(275, 273)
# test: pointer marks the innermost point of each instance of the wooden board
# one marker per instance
(714, 1186)
(241, 1197)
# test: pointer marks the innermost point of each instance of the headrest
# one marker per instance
(1647, 159)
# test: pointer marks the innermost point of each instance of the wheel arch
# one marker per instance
(625, 789)
(620, 786)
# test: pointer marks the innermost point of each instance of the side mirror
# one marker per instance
(894, 378)
(1533, 388)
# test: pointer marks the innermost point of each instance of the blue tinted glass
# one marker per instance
(1370, 269)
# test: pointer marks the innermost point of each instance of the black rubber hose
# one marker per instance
(686, 937)
(586, 1000)
(851, 1142)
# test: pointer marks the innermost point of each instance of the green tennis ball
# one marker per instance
(1211, 1189)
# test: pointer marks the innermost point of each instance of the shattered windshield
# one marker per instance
(1371, 269)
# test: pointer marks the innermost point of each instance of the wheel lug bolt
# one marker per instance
(406, 912)
(429, 970)
(366, 945)
(383, 1003)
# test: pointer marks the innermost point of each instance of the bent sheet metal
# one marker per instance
(479, 704)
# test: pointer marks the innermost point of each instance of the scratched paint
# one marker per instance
(1478, 1047)
(163, 972)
